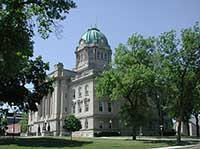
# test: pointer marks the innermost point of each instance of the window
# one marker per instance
(65, 109)
(100, 106)
(86, 90)
(86, 106)
(38, 129)
(86, 124)
(80, 107)
(109, 107)
(74, 108)
(101, 124)
(102, 55)
(74, 93)
(105, 56)
(48, 128)
(80, 91)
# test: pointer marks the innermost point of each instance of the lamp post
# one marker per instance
(110, 124)
(161, 130)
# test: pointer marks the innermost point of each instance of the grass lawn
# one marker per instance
(77, 143)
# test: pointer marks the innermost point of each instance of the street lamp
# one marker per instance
(161, 130)
(110, 124)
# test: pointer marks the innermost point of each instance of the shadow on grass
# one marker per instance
(44, 142)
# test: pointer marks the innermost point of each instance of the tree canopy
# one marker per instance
(162, 69)
(19, 19)
(71, 124)
(130, 79)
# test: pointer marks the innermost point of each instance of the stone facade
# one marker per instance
(74, 93)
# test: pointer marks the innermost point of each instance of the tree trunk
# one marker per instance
(197, 124)
(133, 133)
(71, 135)
(179, 132)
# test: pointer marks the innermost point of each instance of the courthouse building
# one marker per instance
(74, 93)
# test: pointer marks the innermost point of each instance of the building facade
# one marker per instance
(74, 93)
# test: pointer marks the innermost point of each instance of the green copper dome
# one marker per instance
(94, 36)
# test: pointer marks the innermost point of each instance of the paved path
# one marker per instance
(197, 146)
(177, 147)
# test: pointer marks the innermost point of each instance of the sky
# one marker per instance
(118, 20)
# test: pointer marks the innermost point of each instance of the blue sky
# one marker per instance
(118, 20)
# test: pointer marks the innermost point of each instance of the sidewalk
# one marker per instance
(176, 147)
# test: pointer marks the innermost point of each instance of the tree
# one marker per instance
(165, 69)
(196, 106)
(71, 124)
(15, 90)
(181, 64)
(18, 21)
(130, 80)
(24, 123)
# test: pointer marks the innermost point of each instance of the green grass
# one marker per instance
(78, 143)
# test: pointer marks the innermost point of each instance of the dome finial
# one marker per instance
(96, 22)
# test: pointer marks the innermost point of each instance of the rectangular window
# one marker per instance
(74, 93)
(79, 107)
(86, 106)
(105, 56)
(86, 124)
(109, 107)
(101, 124)
(74, 108)
(86, 90)
(101, 55)
(100, 106)
(79, 91)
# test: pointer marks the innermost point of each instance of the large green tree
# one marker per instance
(130, 80)
(165, 69)
(181, 64)
(18, 21)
